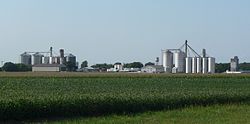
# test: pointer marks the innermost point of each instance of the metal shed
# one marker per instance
(48, 68)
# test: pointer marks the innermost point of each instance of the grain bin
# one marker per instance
(26, 58)
(211, 65)
(189, 65)
(167, 61)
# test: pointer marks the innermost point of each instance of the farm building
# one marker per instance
(153, 69)
(49, 67)
(118, 66)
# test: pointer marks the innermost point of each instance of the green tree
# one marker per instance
(221, 67)
(23, 67)
(84, 64)
(149, 63)
(102, 67)
(244, 66)
(9, 67)
(133, 65)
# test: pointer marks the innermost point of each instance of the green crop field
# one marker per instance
(28, 96)
(214, 114)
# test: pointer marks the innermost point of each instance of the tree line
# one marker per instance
(223, 67)
(12, 67)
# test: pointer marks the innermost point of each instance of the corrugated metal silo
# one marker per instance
(189, 65)
(57, 60)
(37, 59)
(194, 65)
(54, 60)
(167, 61)
(211, 65)
(45, 60)
(62, 56)
(179, 57)
(26, 58)
(51, 60)
(199, 65)
(204, 65)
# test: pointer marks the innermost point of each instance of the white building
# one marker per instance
(48, 68)
(118, 66)
(153, 69)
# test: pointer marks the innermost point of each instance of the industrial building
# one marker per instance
(234, 67)
(47, 61)
(48, 67)
(181, 61)
(118, 66)
(234, 64)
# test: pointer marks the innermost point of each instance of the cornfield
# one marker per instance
(41, 96)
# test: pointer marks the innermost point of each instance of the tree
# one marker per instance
(9, 67)
(102, 67)
(70, 66)
(133, 65)
(84, 64)
(222, 67)
(149, 63)
(23, 67)
(244, 66)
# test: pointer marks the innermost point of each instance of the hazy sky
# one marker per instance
(124, 30)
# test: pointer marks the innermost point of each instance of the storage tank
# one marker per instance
(211, 65)
(179, 57)
(45, 60)
(234, 64)
(26, 58)
(71, 58)
(54, 60)
(204, 65)
(167, 61)
(189, 65)
(57, 60)
(194, 65)
(62, 56)
(37, 59)
(51, 60)
(199, 65)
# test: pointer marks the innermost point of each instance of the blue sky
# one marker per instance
(124, 30)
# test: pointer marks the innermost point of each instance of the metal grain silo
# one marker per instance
(199, 65)
(211, 65)
(26, 58)
(204, 65)
(62, 56)
(54, 60)
(179, 57)
(71, 58)
(194, 65)
(45, 60)
(167, 61)
(51, 60)
(57, 60)
(189, 65)
(37, 59)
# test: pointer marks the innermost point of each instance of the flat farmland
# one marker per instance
(25, 96)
